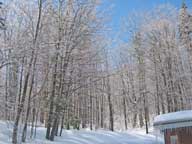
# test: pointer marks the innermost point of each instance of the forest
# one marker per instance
(61, 67)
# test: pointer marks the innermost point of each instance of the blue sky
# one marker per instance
(121, 8)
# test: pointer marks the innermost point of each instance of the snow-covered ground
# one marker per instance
(84, 137)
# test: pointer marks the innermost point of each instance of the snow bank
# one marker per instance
(84, 137)
(175, 117)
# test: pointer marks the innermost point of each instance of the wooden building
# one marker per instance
(176, 127)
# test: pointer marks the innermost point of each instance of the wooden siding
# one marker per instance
(184, 135)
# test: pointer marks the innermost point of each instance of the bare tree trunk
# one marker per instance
(51, 107)
(91, 109)
(21, 105)
(102, 105)
(33, 121)
(62, 123)
(124, 102)
(6, 92)
(24, 133)
(111, 121)
(134, 120)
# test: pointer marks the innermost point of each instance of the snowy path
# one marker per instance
(85, 137)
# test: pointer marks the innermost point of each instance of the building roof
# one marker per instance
(174, 120)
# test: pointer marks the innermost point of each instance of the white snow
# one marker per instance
(175, 117)
(83, 137)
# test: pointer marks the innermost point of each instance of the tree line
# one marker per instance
(57, 68)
